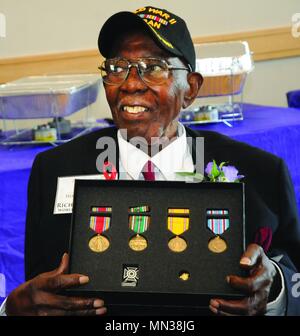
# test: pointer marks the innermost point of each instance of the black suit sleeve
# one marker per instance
(286, 242)
(32, 232)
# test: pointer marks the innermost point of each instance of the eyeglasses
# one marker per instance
(114, 71)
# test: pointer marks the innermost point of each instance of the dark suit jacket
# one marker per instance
(271, 211)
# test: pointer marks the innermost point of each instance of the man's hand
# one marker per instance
(39, 295)
(256, 287)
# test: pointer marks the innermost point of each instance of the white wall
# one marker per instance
(40, 26)
(43, 26)
(270, 80)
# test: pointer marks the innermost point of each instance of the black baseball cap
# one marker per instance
(167, 29)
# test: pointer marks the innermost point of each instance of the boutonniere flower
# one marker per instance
(214, 173)
(222, 173)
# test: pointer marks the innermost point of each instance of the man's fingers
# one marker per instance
(63, 281)
(229, 307)
(63, 267)
(59, 302)
(251, 256)
(59, 312)
(258, 280)
(91, 312)
(219, 312)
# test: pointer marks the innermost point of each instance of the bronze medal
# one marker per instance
(177, 244)
(99, 244)
(138, 243)
(217, 245)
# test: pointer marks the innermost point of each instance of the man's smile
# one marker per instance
(134, 109)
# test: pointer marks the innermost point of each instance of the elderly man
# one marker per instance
(149, 76)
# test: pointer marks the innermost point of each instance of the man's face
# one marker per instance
(142, 109)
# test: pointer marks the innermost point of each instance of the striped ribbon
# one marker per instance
(178, 211)
(101, 209)
(142, 208)
(218, 226)
(178, 225)
(153, 17)
(217, 212)
(139, 224)
(99, 224)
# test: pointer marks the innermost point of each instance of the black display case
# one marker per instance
(163, 277)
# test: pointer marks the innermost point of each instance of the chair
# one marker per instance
(293, 98)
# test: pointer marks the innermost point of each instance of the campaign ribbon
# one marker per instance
(218, 225)
(109, 171)
(139, 224)
(178, 225)
(99, 223)
(138, 209)
(217, 212)
(101, 209)
(178, 211)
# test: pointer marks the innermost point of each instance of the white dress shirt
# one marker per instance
(174, 158)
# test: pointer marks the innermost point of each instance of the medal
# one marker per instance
(138, 224)
(99, 224)
(178, 225)
(99, 243)
(217, 245)
(177, 244)
(130, 276)
(218, 223)
(138, 243)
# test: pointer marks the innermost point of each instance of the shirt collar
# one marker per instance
(175, 157)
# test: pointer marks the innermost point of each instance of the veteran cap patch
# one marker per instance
(167, 29)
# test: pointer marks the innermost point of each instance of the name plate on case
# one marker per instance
(65, 190)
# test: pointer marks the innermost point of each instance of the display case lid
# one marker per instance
(223, 58)
(48, 84)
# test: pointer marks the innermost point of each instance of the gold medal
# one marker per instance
(177, 244)
(99, 244)
(217, 245)
(138, 243)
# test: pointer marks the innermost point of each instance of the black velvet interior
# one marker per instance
(159, 267)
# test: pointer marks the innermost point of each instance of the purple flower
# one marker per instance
(222, 173)
(209, 168)
(231, 173)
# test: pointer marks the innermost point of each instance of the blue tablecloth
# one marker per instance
(273, 129)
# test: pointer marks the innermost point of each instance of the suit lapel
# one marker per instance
(192, 145)
(90, 153)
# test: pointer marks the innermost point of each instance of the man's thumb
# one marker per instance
(64, 263)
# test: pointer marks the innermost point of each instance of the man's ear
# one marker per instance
(195, 81)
